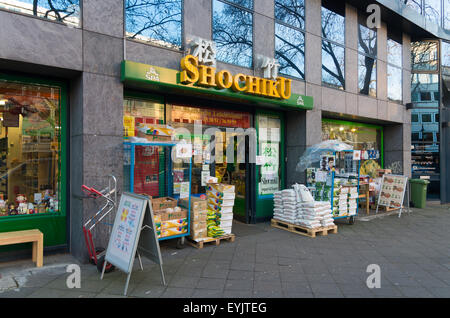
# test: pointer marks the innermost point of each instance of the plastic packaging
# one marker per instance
(313, 153)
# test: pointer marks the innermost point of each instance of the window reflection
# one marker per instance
(367, 75)
(291, 12)
(367, 41)
(433, 10)
(290, 51)
(333, 61)
(424, 56)
(66, 11)
(416, 5)
(394, 83)
(333, 26)
(446, 14)
(394, 52)
(155, 21)
(445, 58)
(233, 34)
(289, 38)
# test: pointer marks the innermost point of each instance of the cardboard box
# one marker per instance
(163, 203)
(220, 187)
(198, 226)
(174, 231)
(199, 234)
(173, 223)
(199, 217)
(164, 216)
(196, 204)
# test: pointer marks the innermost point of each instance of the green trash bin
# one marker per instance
(419, 192)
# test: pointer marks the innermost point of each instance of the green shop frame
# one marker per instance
(54, 224)
(264, 195)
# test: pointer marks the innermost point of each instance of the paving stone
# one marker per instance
(325, 289)
(241, 275)
(272, 275)
(211, 283)
(238, 293)
(232, 284)
(176, 292)
(207, 293)
(440, 292)
(415, 292)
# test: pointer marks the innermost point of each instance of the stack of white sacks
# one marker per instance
(297, 206)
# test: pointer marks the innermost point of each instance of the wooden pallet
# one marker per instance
(382, 208)
(304, 230)
(216, 241)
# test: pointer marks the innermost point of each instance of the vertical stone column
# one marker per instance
(351, 50)
(382, 62)
(97, 107)
(197, 18)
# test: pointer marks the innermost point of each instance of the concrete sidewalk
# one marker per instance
(413, 253)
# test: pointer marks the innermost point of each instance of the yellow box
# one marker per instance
(173, 223)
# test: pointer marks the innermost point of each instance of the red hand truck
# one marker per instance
(109, 195)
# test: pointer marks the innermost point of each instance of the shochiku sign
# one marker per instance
(207, 76)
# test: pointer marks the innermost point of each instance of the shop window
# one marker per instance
(156, 21)
(233, 32)
(65, 11)
(424, 56)
(333, 41)
(269, 147)
(30, 166)
(361, 137)
(290, 51)
(140, 112)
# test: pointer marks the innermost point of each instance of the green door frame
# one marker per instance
(263, 207)
(53, 226)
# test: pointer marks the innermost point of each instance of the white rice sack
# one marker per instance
(305, 194)
(314, 204)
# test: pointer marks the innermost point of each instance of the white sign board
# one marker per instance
(126, 235)
(392, 191)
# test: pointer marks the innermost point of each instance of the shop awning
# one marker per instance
(155, 78)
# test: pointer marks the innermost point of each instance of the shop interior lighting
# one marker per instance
(3, 102)
(341, 128)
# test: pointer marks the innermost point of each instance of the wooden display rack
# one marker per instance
(200, 242)
(304, 230)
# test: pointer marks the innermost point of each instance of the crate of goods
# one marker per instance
(163, 203)
(198, 225)
(170, 222)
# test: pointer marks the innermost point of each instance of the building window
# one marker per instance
(30, 149)
(445, 57)
(367, 60)
(156, 21)
(65, 11)
(425, 96)
(415, 118)
(333, 44)
(289, 38)
(416, 5)
(394, 70)
(446, 14)
(424, 56)
(233, 31)
(433, 10)
(426, 118)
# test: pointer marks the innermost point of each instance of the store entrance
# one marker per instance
(235, 170)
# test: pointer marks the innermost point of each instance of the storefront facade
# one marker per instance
(109, 80)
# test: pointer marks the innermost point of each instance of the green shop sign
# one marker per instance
(168, 80)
